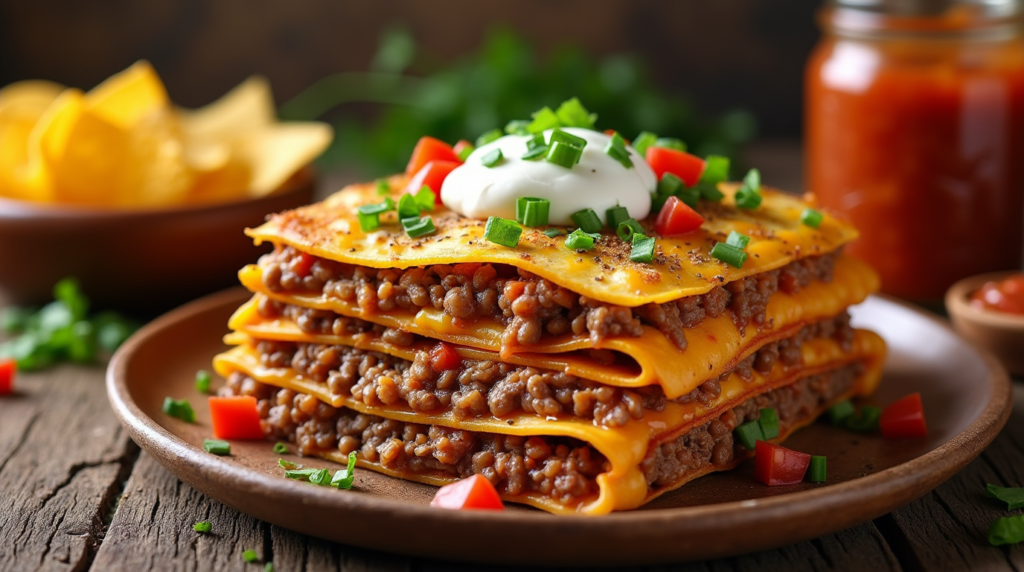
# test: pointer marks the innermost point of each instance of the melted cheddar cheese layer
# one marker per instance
(682, 267)
(623, 486)
(714, 346)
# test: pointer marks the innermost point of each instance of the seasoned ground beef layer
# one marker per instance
(474, 388)
(529, 306)
(562, 469)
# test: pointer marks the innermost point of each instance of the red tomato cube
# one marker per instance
(432, 175)
(687, 167)
(476, 492)
(429, 149)
(235, 417)
(676, 218)
(903, 418)
(777, 465)
(8, 367)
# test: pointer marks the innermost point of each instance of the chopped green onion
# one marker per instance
(535, 152)
(689, 196)
(716, 170)
(580, 240)
(840, 411)
(502, 231)
(268, 567)
(1013, 497)
(280, 448)
(378, 208)
(643, 248)
(668, 186)
(408, 207)
(738, 240)
(644, 140)
(425, 198)
(465, 152)
(572, 114)
(811, 218)
(300, 474)
(559, 136)
(587, 220)
(729, 254)
(14, 319)
(383, 186)
(865, 420)
(202, 526)
(180, 409)
(553, 232)
(564, 155)
(517, 127)
(492, 158)
(747, 198)
(615, 215)
(709, 192)
(616, 149)
(533, 212)
(343, 478)
(368, 222)
(416, 228)
(536, 141)
(753, 180)
(543, 120)
(217, 447)
(769, 422)
(288, 465)
(670, 143)
(203, 380)
(816, 472)
(627, 228)
(489, 137)
(250, 556)
(749, 434)
(1007, 530)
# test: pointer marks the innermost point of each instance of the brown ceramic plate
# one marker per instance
(966, 396)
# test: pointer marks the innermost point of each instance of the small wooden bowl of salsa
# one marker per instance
(989, 310)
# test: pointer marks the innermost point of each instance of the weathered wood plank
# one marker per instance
(946, 529)
(63, 458)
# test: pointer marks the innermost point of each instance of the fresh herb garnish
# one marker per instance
(729, 254)
(838, 413)
(250, 556)
(280, 448)
(1007, 530)
(769, 422)
(532, 212)
(811, 218)
(344, 478)
(587, 220)
(492, 158)
(816, 471)
(749, 434)
(865, 420)
(553, 232)
(738, 240)
(288, 465)
(627, 229)
(417, 227)
(644, 140)
(425, 199)
(202, 526)
(383, 187)
(642, 249)
(616, 149)
(749, 194)
(1013, 497)
(615, 215)
(61, 330)
(581, 240)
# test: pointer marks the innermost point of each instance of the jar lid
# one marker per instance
(997, 9)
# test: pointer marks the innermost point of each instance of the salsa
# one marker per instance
(919, 140)
(1006, 295)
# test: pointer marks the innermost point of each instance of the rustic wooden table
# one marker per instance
(76, 494)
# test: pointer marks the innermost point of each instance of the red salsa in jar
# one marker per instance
(1006, 295)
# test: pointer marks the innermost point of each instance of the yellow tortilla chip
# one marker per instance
(22, 105)
(127, 98)
(278, 152)
(243, 110)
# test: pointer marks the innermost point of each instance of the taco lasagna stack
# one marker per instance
(574, 380)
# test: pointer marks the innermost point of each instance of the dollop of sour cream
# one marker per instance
(598, 181)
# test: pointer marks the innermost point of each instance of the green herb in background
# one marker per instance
(421, 95)
(61, 330)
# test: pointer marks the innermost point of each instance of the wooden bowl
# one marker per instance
(999, 332)
(139, 261)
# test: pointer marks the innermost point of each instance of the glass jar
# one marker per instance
(914, 130)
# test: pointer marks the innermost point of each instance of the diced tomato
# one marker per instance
(777, 465)
(676, 217)
(903, 418)
(303, 264)
(460, 146)
(476, 492)
(444, 357)
(680, 163)
(235, 417)
(429, 149)
(432, 175)
(8, 367)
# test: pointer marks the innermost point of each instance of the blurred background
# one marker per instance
(718, 74)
